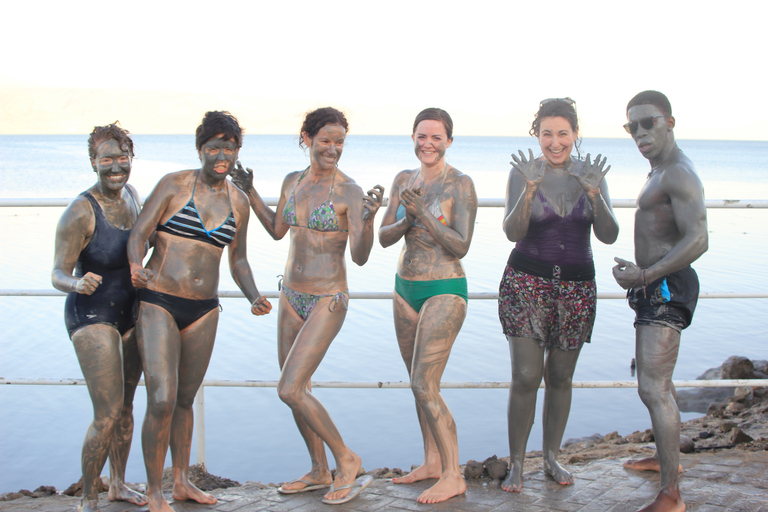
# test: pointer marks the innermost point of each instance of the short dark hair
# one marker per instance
(112, 131)
(555, 108)
(316, 119)
(435, 114)
(215, 122)
(654, 98)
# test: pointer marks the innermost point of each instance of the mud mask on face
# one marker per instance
(218, 156)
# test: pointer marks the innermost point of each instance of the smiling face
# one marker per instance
(556, 139)
(112, 164)
(654, 142)
(218, 156)
(326, 146)
(430, 141)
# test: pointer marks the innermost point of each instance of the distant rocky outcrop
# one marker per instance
(736, 368)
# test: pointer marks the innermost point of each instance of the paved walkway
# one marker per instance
(733, 481)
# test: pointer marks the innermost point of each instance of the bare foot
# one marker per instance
(445, 488)
(423, 472)
(514, 482)
(313, 477)
(183, 491)
(124, 493)
(558, 473)
(88, 506)
(344, 475)
(646, 464)
(157, 503)
(666, 501)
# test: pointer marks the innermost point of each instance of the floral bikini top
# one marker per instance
(323, 218)
(433, 208)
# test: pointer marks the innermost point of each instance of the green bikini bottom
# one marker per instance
(416, 293)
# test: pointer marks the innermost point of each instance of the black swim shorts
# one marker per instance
(666, 302)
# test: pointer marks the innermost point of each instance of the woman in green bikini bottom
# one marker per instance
(433, 207)
(322, 208)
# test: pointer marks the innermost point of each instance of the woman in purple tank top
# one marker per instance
(547, 296)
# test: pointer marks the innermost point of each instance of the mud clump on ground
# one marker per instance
(200, 478)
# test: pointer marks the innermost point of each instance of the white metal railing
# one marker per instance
(483, 203)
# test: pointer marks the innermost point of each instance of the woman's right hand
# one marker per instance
(87, 284)
(141, 277)
(242, 178)
(531, 169)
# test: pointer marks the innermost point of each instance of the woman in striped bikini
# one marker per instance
(433, 208)
(196, 214)
(322, 208)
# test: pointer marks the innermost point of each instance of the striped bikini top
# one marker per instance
(187, 223)
(434, 207)
(323, 218)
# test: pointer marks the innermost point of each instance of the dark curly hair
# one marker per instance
(558, 108)
(110, 132)
(654, 98)
(215, 122)
(435, 114)
(315, 120)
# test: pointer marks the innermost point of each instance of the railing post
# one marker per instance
(200, 425)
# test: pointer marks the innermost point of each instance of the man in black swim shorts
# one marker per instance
(670, 234)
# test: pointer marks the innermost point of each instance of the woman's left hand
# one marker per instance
(413, 202)
(261, 306)
(591, 174)
(372, 202)
(242, 178)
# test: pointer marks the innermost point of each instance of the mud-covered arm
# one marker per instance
(238, 259)
(591, 177)
(74, 230)
(150, 215)
(361, 226)
(524, 179)
(456, 238)
(391, 229)
(272, 222)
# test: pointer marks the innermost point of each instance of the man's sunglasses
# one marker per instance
(646, 122)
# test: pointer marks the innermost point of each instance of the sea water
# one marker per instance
(250, 434)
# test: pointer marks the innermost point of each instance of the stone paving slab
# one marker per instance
(732, 481)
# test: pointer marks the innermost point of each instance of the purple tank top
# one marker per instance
(558, 240)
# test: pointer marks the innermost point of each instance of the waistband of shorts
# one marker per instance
(523, 263)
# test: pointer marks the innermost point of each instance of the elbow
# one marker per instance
(360, 260)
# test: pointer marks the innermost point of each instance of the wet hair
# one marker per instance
(215, 122)
(557, 108)
(435, 114)
(110, 132)
(654, 98)
(315, 120)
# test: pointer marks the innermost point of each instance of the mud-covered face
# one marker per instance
(556, 139)
(112, 164)
(218, 156)
(430, 141)
(326, 146)
(651, 142)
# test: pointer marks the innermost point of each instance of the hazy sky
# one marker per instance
(157, 68)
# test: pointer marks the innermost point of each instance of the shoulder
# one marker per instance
(679, 174)
(463, 181)
(347, 184)
(79, 212)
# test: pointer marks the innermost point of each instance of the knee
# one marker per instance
(424, 391)
(525, 380)
(106, 418)
(161, 406)
(289, 393)
(559, 382)
(652, 392)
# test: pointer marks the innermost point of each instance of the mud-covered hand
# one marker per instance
(261, 306)
(413, 202)
(141, 277)
(372, 202)
(627, 274)
(87, 284)
(591, 173)
(242, 178)
(531, 169)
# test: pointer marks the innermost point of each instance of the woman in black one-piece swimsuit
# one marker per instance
(91, 240)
